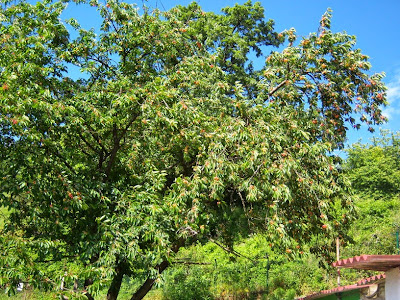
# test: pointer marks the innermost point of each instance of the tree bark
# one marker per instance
(89, 281)
(115, 286)
(86, 284)
(148, 284)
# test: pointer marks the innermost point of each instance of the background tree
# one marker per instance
(170, 136)
(374, 171)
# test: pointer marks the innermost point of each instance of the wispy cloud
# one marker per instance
(393, 96)
(390, 112)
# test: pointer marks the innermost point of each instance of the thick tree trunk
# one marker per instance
(148, 284)
(115, 286)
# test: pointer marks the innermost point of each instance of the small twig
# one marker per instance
(256, 171)
(244, 205)
(244, 209)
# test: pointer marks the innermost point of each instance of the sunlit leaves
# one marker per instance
(170, 136)
(328, 75)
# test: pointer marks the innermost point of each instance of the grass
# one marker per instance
(29, 294)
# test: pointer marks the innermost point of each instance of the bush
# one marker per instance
(187, 284)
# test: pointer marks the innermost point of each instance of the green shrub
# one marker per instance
(186, 283)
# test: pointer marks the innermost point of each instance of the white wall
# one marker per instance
(392, 285)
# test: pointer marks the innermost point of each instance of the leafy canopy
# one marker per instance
(170, 135)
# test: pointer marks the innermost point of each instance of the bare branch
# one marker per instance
(277, 88)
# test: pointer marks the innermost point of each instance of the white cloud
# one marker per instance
(390, 111)
(393, 91)
(393, 96)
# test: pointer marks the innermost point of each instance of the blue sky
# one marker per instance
(375, 24)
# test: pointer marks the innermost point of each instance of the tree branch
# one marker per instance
(104, 64)
(277, 88)
(96, 138)
(114, 151)
(87, 143)
(117, 145)
(63, 160)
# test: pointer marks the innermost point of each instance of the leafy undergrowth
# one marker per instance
(253, 272)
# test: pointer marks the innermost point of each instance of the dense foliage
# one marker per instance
(374, 170)
(170, 136)
(253, 271)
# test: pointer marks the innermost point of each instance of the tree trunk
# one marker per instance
(86, 284)
(115, 286)
(148, 284)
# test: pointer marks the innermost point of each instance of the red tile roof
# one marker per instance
(363, 262)
(339, 289)
(370, 262)
(363, 283)
(371, 279)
